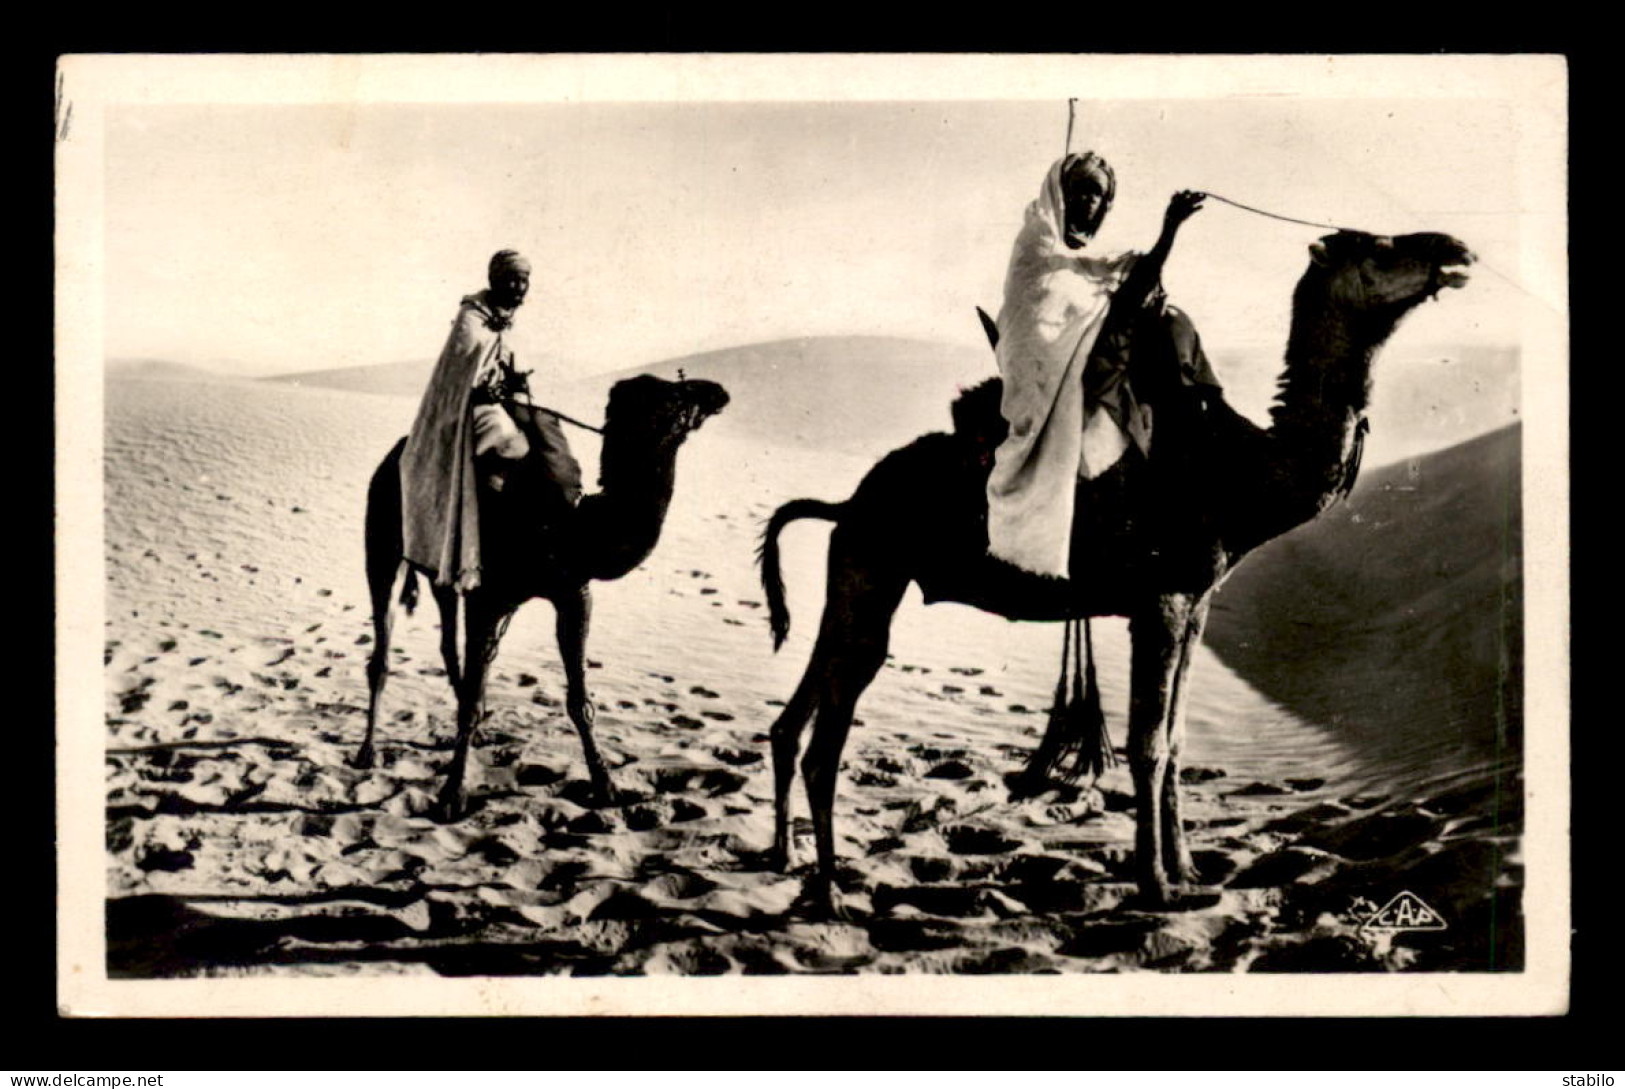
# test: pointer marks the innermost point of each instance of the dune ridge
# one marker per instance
(866, 394)
(1397, 615)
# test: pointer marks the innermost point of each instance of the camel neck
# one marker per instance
(1323, 394)
(623, 519)
(1328, 363)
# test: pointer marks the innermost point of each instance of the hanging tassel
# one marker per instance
(1075, 742)
(1094, 752)
(1057, 756)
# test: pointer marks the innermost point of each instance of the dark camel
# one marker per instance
(1152, 537)
(609, 534)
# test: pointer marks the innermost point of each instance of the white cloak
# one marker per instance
(1055, 300)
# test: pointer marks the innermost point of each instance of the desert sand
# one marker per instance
(240, 842)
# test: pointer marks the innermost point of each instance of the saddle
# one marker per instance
(530, 502)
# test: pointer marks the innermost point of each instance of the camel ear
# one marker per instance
(1318, 253)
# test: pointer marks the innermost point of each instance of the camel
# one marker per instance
(1152, 538)
(609, 534)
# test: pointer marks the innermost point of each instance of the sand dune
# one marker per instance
(240, 842)
(1399, 614)
(856, 395)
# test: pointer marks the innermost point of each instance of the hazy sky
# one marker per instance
(266, 238)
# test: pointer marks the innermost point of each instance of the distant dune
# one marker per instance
(1424, 396)
(162, 369)
(403, 379)
(860, 395)
(1397, 615)
(1428, 397)
(866, 395)
(857, 395)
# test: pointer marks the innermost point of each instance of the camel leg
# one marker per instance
(1157, 636)
(484, 621)
(851, 649)
(786, 734)
(446, 601)
(383, 622)
(573, 611)
(1176, 855)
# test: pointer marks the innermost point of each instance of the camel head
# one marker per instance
(662, 411)
(1383, 277)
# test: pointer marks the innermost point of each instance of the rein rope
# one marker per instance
(528, 403)
(1273, 215)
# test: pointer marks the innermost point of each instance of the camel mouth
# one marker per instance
(708, 399)
(1452, 271)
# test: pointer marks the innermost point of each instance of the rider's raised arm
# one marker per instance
(1146, 274)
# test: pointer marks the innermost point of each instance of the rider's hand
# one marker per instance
(1183, 205)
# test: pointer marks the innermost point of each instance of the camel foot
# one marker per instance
(364, 759)
(1024, 785)
(817, 901)
(1154, 895)
(450, 807)
(776, 859)
(604, 794)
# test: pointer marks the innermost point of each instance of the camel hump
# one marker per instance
(976, 414)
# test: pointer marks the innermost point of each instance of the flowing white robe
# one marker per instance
(440, 505)
(1055, 300)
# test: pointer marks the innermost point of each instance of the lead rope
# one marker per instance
(528, 403)
(1273, 215)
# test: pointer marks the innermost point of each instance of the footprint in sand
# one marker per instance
(951, 769)
(1259, 790)
(1200, 775)
(964, 839)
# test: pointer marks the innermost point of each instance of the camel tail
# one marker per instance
(778, 614)
(409, 591)
(383, 537)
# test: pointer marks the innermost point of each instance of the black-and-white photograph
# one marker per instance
(912, 534)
